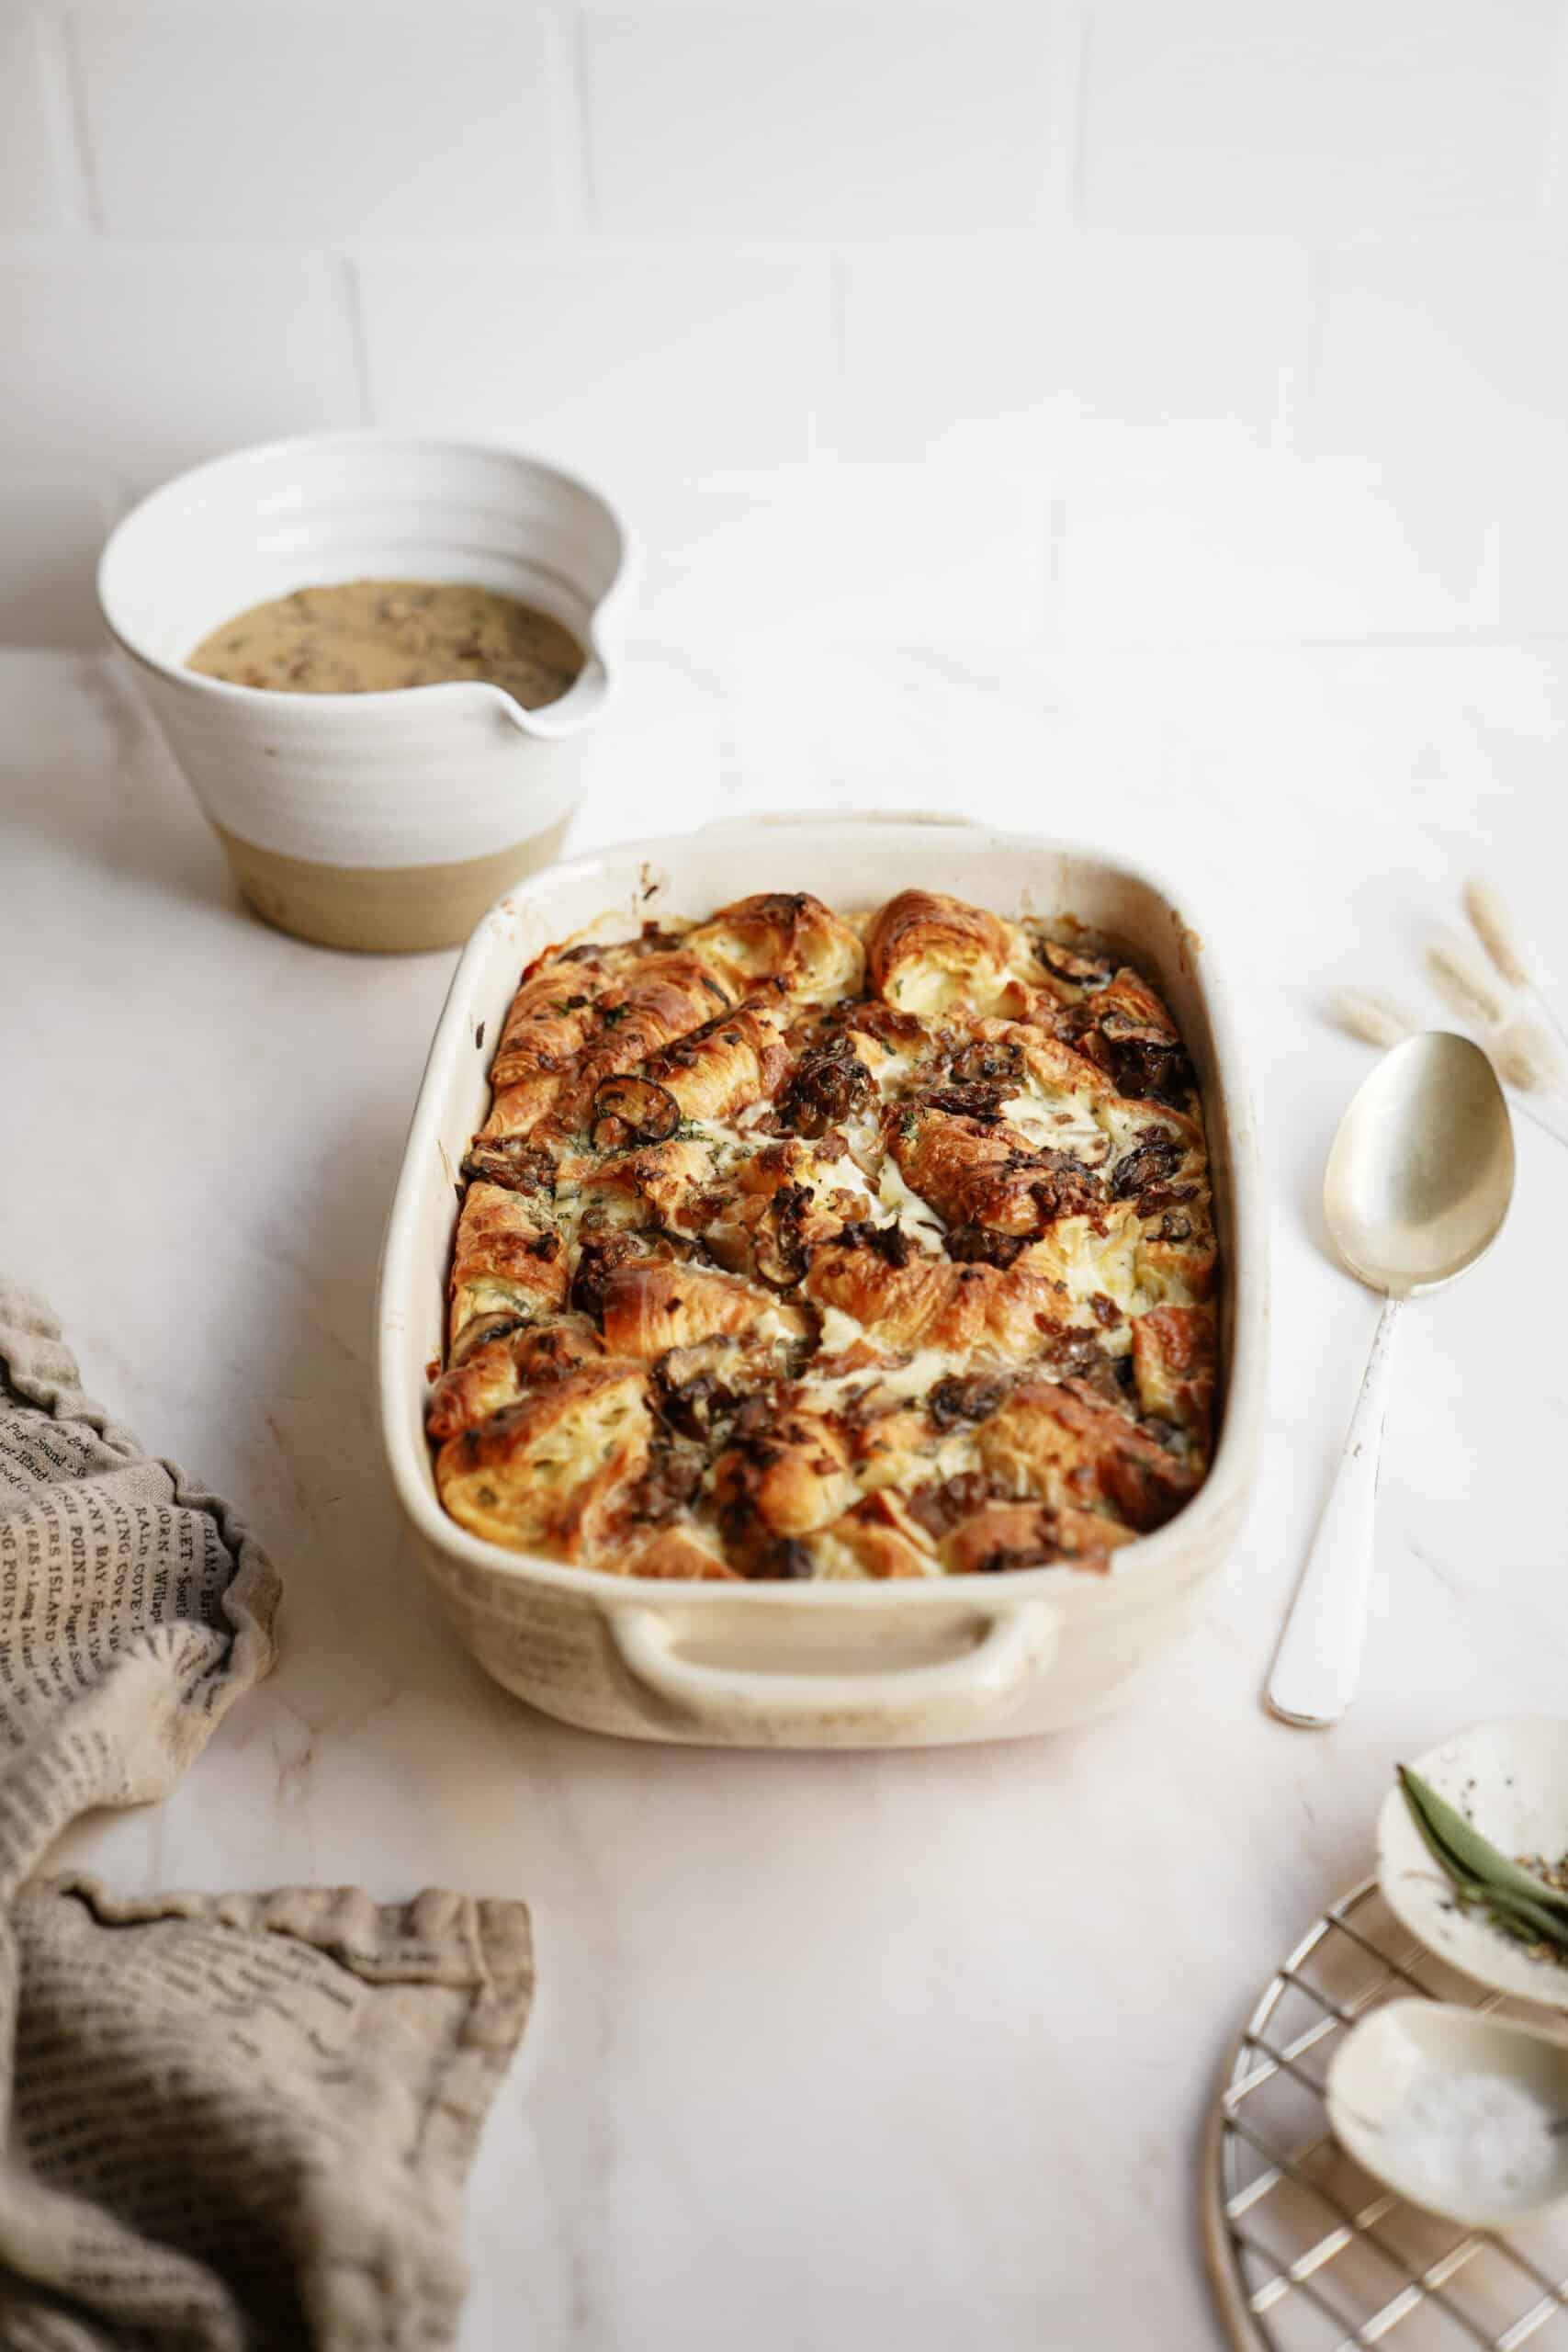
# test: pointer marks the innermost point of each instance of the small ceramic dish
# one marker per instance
(386, 820)
(1463, 2114)
(1511, 1780)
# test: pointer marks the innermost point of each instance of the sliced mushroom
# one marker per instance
(1068, 964)
(940, 1508)
(632, 1110)
(960, 1398)
(779, 1249)
(983, 1060)
(890, 1242)
(1144, 1062)
(694, 1387)
(825, 1087)
(976, 1245)
(1150, 1162)
(510, 1162)
(979, 1098)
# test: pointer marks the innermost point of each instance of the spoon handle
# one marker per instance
(1318, 1662)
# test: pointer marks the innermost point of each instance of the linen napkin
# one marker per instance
(232, 2122)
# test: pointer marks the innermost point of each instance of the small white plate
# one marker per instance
(1396, 2073)
(1511, 1780)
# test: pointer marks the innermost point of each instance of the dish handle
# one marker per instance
(878, 1705)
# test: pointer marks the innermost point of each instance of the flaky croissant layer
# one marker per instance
(804, 1245)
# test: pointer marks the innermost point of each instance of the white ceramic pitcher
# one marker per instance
(382, 821)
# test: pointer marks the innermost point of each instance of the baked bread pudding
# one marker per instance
(799, 1245)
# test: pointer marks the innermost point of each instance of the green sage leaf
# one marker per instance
(1481, 1872)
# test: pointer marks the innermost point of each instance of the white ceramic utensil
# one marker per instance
(1416, 1189)
(1511, 1780)
(1463, 2115)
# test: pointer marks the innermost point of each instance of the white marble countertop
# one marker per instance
(828, 2049)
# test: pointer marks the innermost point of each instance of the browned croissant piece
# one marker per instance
(1055, 1439)
(551, 1018)
(651, 1184)
(796, 1245)
(679, 1552)
(882, 1539)
(960, 1152)
(510, 1259)
(785, 1473)
(652, 1304)
(499, 1360)
(993, 1312)
(785, 935)
(1173, 1358)
(731, 1061)
(926, 953)
(1032, 1535)
(541, 1473)
(665, 998)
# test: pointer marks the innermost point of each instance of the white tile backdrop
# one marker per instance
(919, 321)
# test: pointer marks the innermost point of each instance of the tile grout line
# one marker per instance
(831, 433)
(1301, 407)
(358, 338)
(70, 144)
(1495, 570)
(576, 194)
(1077, 175)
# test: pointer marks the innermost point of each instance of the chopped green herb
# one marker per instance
(1516, 1900)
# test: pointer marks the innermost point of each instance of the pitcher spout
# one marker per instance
(551, 722)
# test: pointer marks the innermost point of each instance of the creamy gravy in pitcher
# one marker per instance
(368, 635)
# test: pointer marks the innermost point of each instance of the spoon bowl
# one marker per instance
(1422, 1171)
(1458, 2113)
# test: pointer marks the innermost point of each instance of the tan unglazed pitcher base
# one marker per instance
(385, 911)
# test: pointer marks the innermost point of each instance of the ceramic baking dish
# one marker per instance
(831, 1665)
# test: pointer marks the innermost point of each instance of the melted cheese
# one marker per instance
(912, 1215)
(836, 1562)
(1050, 1122)
(891, 1384)
(839, 1175)
(894, 1067)
(730, 1141)
(1116, 1266)
(775, 1326)
(840, 1331)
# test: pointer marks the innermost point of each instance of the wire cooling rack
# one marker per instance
(1307, 2251)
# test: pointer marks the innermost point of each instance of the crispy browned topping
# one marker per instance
(786, 1255)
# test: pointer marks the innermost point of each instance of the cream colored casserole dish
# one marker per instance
(830, 1663)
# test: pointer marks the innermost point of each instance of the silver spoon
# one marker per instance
(1416, 1189)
